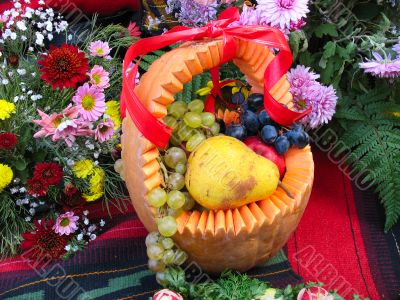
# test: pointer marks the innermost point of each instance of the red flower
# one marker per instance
(73, 199)
(37, 187)
(133, 29)
(64, 67)
(8, 140)
(43, 244)
(50, 173)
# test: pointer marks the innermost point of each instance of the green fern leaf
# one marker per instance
(374, 137)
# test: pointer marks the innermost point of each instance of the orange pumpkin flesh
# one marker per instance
(235, 239)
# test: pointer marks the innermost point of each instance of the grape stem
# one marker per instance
(164, 170)
(285, 189)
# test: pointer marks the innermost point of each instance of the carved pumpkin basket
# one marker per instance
(238, 238)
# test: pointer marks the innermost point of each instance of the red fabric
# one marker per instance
(156, 131)
(327, 245)
(102, 7)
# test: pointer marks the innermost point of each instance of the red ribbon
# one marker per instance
(156, 131)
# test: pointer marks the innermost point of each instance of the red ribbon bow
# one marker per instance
(156, 131)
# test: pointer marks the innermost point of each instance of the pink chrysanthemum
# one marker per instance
(282, 13)
(323, 101)
(104, 131)
(90, 102)
(66, 223)
(300, 79)
(49, 123)
(100, 49)
(382, 67)
(99, 77)
(69, 129)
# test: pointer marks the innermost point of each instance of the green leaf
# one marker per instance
(39, 156)
(372, 135)
(25, 138)
(305, 58)
(294, 41)
(326, 29)
(329, 49)
(328, 72)
(20, 164)
(366, 11)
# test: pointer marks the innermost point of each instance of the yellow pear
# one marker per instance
(223, 173)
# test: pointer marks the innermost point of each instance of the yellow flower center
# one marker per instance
(64, 222)
(302, 104)
(88, 102)
(104, 129)
(100, 51)
(57, 122)
(96, 78)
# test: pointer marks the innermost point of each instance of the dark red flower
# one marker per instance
(70, 190)
(13, 60)
(8, 140)
(50, 173)
(64, 67)
(73, 199)
(43, 244)
(37, 187)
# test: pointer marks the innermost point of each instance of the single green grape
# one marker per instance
(175, 140)
(167, 226)
(157, 197)
(168, 257)
(173, 156)
(175, 199)
(177, 109)
(207, 119)
(215, 128)
(180, 257)
(192, 119)
(156, 265)
(196, 106)
(174, 212)
(195, 141)
(175, 181)
(152, 238)
(155, 251)
(167, 243)
(161, 279)
(189, 201)
(180, 168)
(171, 122)
(184, 132)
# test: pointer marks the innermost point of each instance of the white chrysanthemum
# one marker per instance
(281, 13)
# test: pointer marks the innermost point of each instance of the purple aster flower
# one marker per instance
(282, 14)
(323, 101)
(397, 48)
(191, 13)
(300, 79)
(382, 67)
(249, 16)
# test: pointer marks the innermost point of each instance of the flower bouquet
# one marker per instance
(59, 130)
